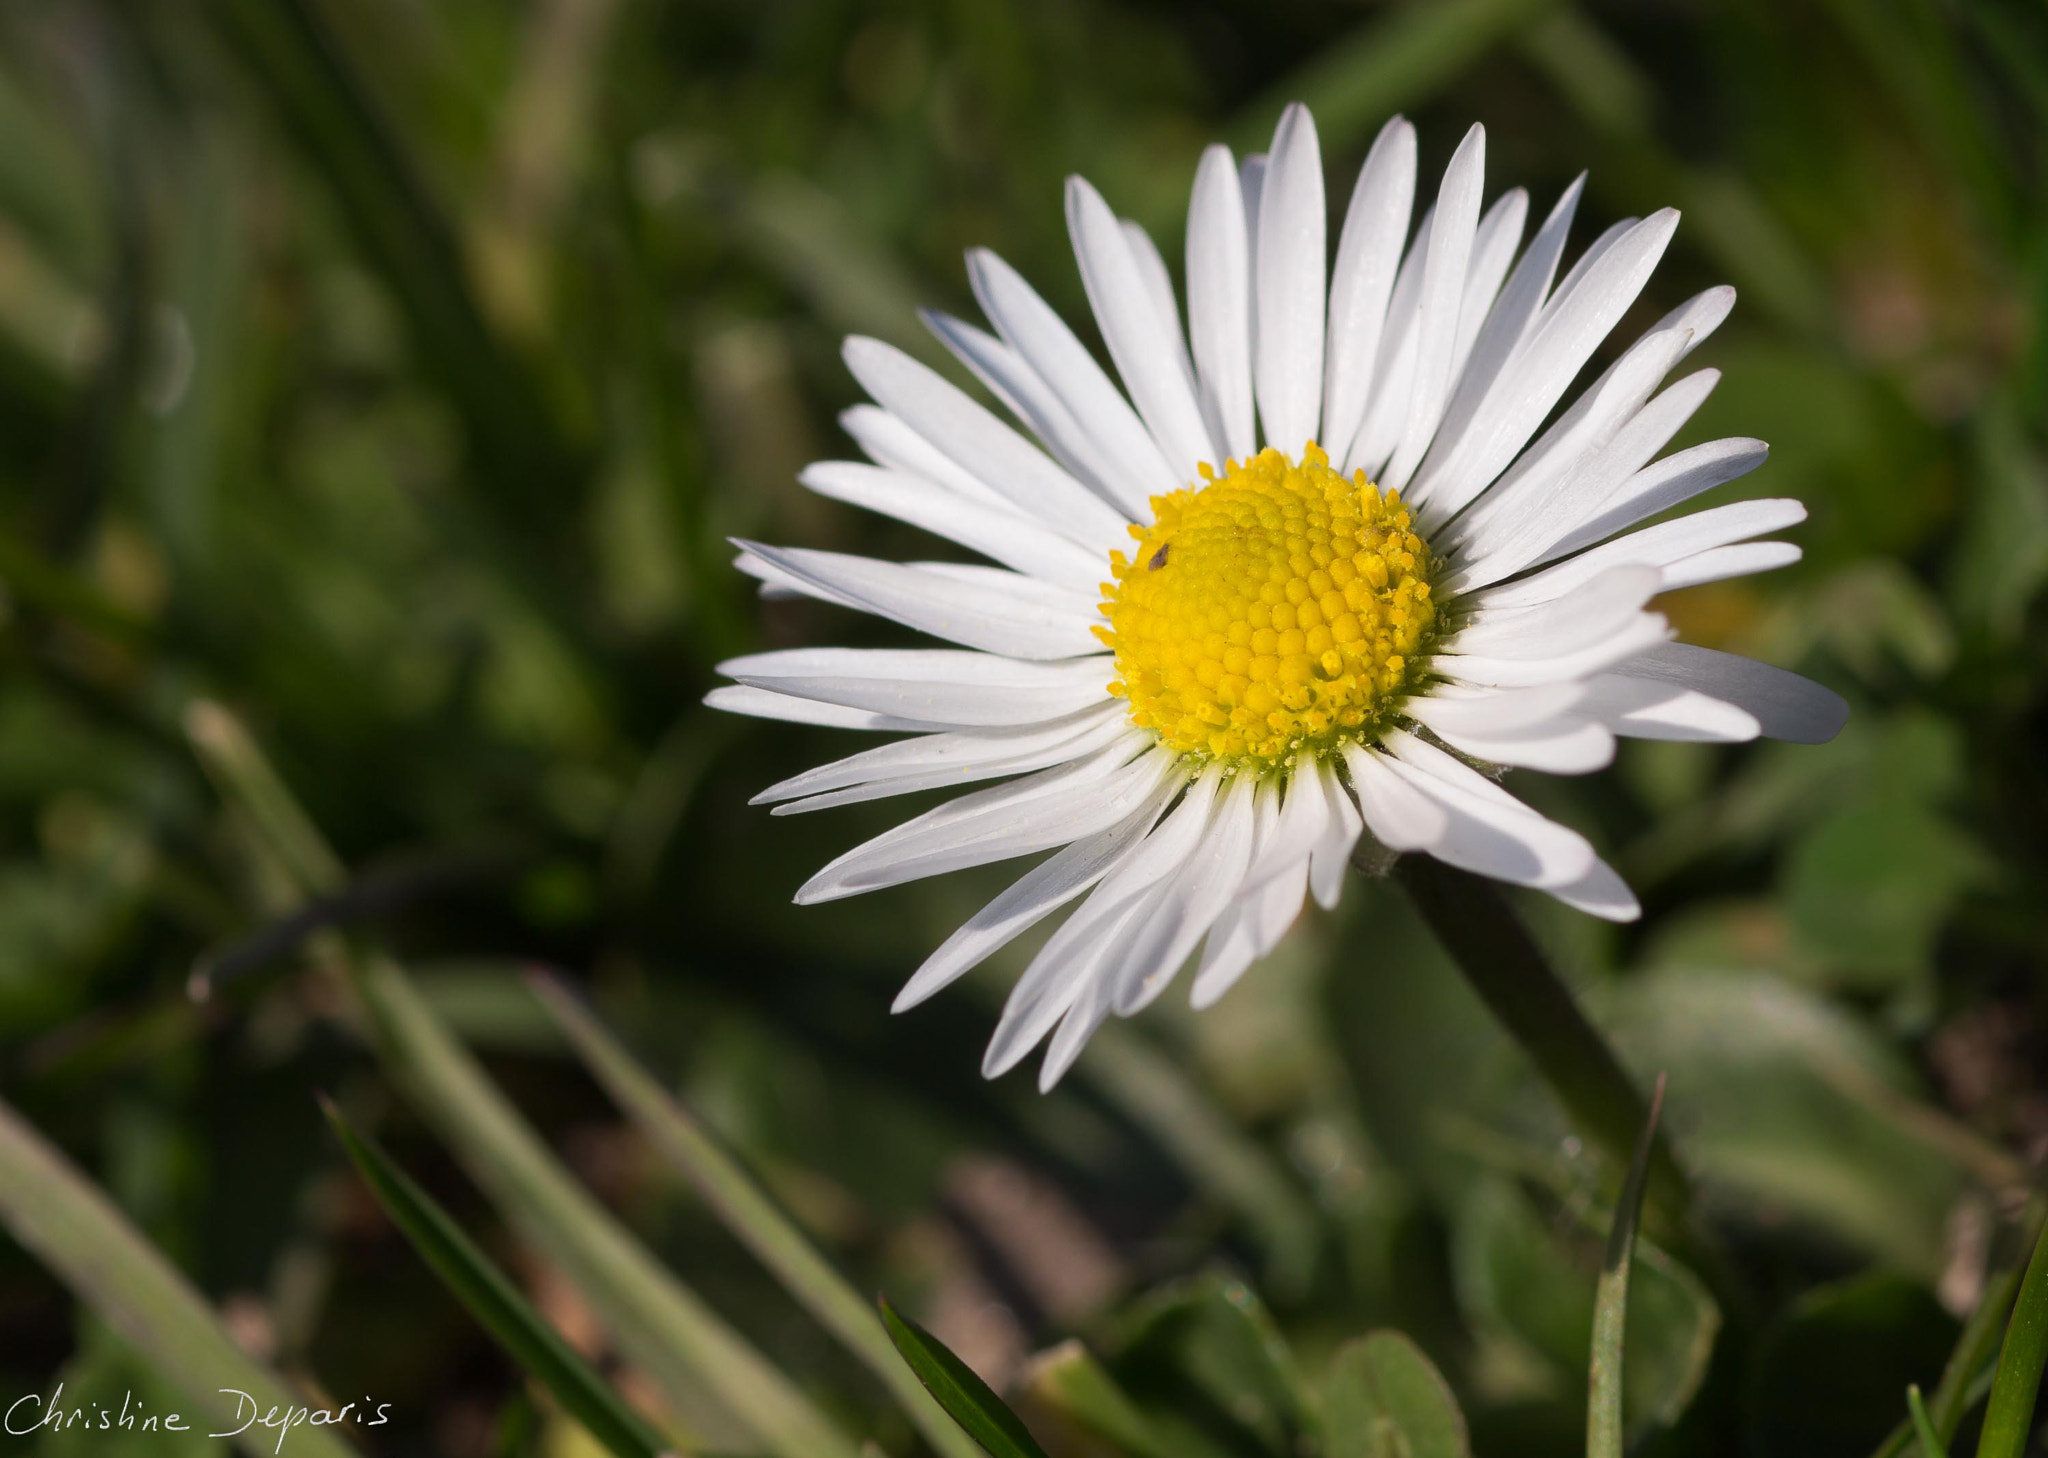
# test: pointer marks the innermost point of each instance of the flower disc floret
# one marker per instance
(1277, 608)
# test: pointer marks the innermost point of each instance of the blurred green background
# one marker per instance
(392, 373)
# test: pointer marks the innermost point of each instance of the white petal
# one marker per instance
(1641, 631)
(1393, 373)
(1597, 610)
(1605, 486)
(1488, 831)
(1444, 273)
(1559, 480)
(1220, 302)
(1140, 341)
(1562, 341)
(1193, 898)
(1576, 274)
(1606, 434)
(958, 749)
(1785, 705)
(1331, 857)
(759, 703)
(999, 533)
(981, 444)
(1075, 953)
(1159, 283)
(1027, 396)
(1133, 465)
(1493, 249)
(1483, 711)
(1368, 256)
(1659, 546)
(888, 442)
(1251, 927)
(1084, 1017)
(1400, 816)
(930, 687)
(777, 584)
(1016, 818)
(1232, 943)
(1251, 181)
(1564, 746)
(949, 761)
(1645, 709)
(986, 614)
(1289, 264)
(1600, 892)
(1657, 488)
(1032, 897)
(1507, 325)
(1717, 564)
(1083, 985)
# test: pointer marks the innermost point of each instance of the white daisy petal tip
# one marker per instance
(1195, 765)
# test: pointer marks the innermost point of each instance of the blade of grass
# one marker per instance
(1000, 1432)
(1923, 1427)
(508, 1316)
(1515, 980)
(69, 1224)
(703, 1366)
(2009, 1416)
(748, 1212)
(1610, 1302)
(1966, 1380)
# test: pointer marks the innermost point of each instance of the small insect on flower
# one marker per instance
(1287, 585)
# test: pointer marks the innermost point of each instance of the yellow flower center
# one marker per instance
(1278, 608)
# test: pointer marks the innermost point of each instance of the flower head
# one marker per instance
(1310, 565)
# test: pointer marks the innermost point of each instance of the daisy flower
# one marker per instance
(1318, 568)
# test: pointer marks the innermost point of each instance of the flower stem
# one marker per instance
(1515, 980)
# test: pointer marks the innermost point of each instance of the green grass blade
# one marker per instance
(1604, 1430)
(749, 1213)
(508, 1316)
(2009, 1416)
(705, 1368)
(1515, 980)
(1963, 1380)
(69, 1224)
(1931, 1445)
(986, 1418)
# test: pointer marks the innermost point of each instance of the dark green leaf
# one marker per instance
(959, 1391)
(1528, 1277)
(2009, 1416)
(1203, 1356)
(494, 1301)
(1825, 1378)
(1385, 1399)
